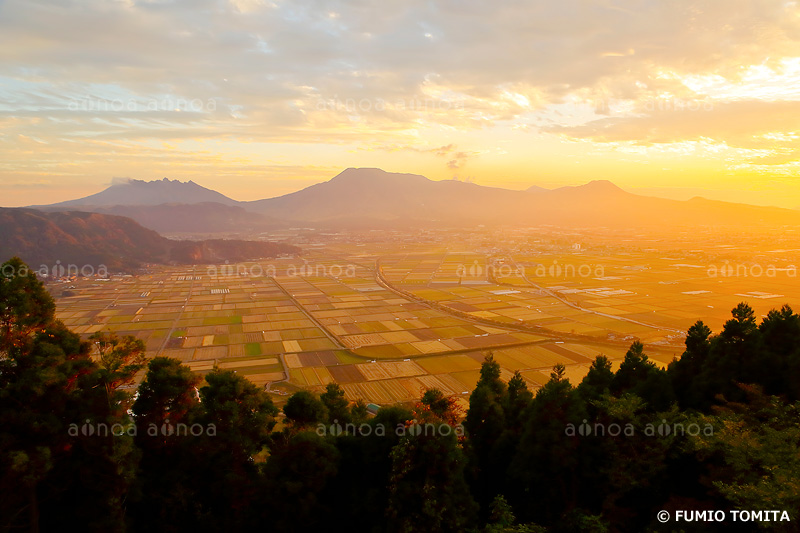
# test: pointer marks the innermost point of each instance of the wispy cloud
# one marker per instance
(98, 82)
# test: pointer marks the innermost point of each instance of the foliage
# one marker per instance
(304, 409)
(336, 405)
(752, 460)
(57, 456)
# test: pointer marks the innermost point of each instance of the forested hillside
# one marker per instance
(93, 239)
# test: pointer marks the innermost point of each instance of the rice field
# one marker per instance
(644, 295)
(315, 320)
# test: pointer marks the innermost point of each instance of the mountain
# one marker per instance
(535, 189)
(601, 203)
(139, 192)
(80, 238)
(593, 188)
(371, 194)
(374, 198)
(370, 198)
(172, 206)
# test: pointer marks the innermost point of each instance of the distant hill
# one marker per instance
(601, 203)
(219, 250)
(206, 217)
(536, 188)
(139, 192)
(171, 206)
(593, 188)
(371, 194)
(370, 198)
(80, 238)
(380, 199)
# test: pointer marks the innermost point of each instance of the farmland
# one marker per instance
(387, 318)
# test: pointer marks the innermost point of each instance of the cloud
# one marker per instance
(92, 80)
(444, 150)
(27, 184)
(459, 160)
(274, 62)
(781, 157)
(745, 124)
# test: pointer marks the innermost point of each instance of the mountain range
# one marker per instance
(368, 198)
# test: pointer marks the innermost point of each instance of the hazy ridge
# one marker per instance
(368, 198)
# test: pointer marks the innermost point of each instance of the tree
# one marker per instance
(543, 475)
(626, 450)
(685, 372)
(165, 408)
(53, 459)
(501, 515)
(336, 404)
(243, 413)
(359, 412)
(360, 492)
(303, 409)
(167, 395)
(502, 519)
(490, 375)
(633, 370)
(120, 359)
(781, 330)
(485, 424)
(598, 380)
(516, 401)
(295, 479)
(697, 345)
(640, 376)
(734, 356)
(434, 406)
(742, 325)
(234, 426)
(752, 459)
(427, 487)
(778, 369)
(26, 307)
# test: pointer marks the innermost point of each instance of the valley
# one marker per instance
(389, 314)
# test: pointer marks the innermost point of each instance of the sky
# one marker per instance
(258, 98)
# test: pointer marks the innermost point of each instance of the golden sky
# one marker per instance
(258, 98)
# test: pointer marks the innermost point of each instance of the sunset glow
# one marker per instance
(257, 99)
